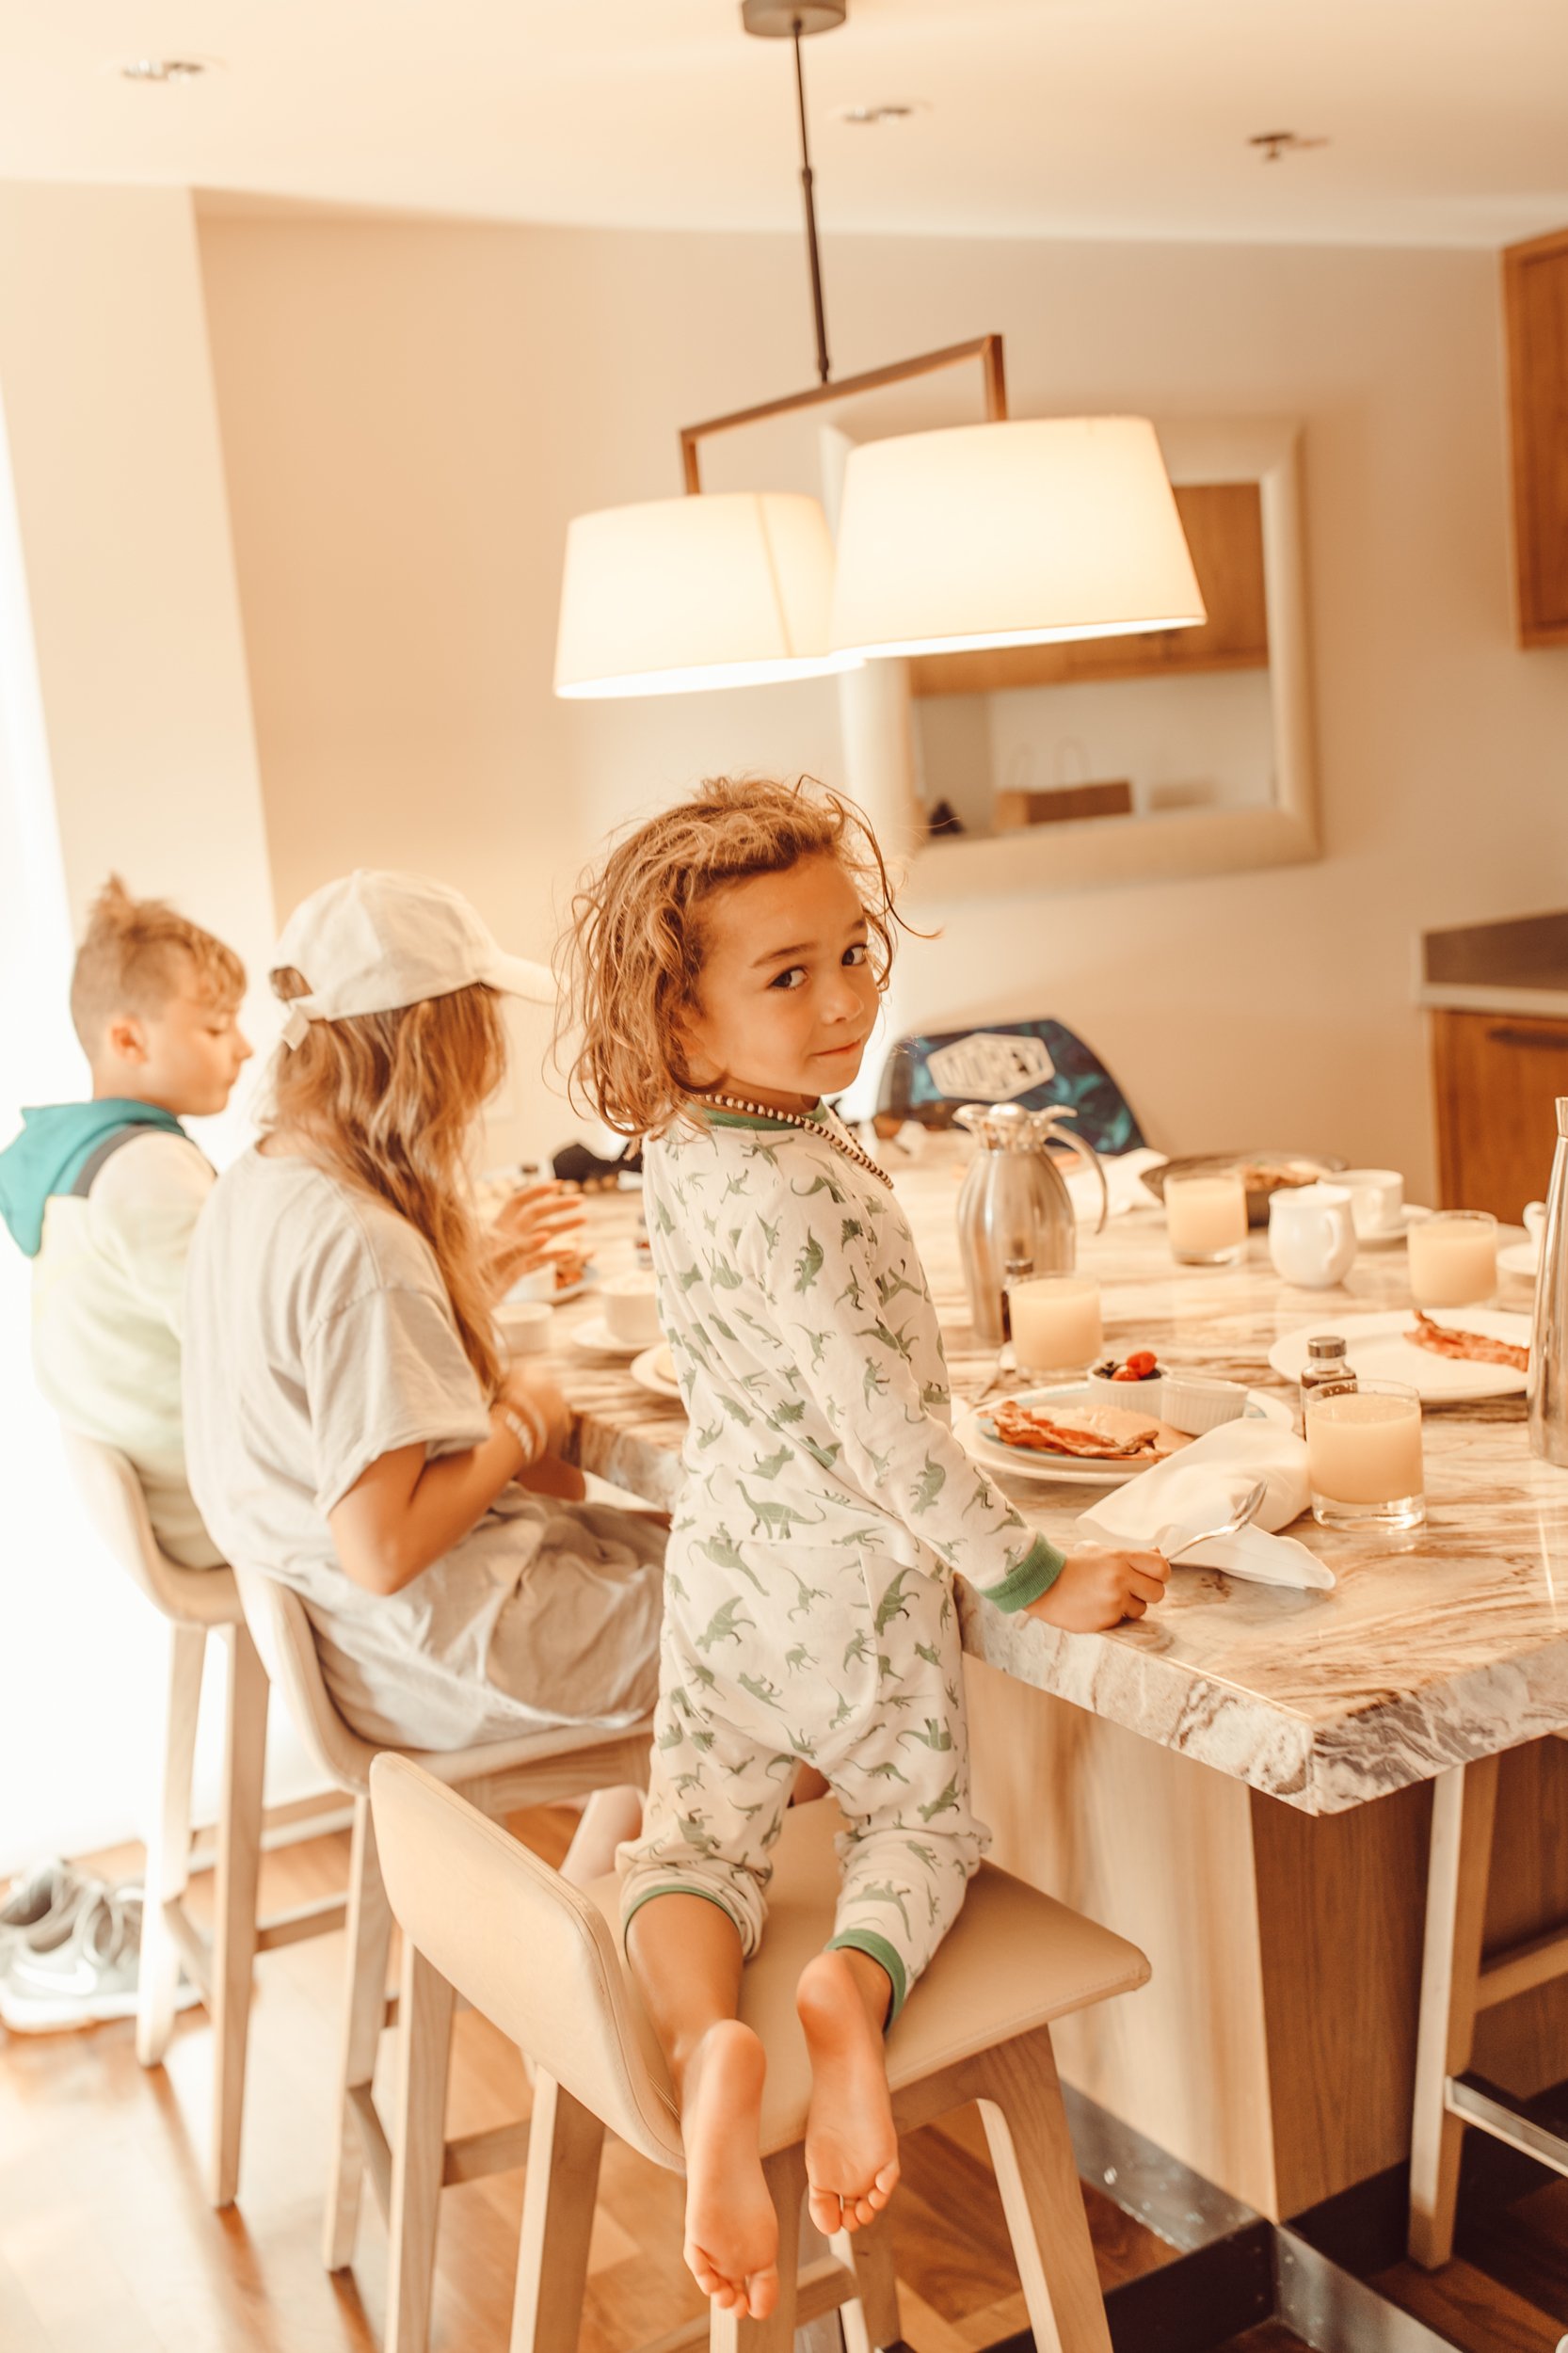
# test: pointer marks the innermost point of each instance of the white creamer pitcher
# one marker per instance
(1312, 1235)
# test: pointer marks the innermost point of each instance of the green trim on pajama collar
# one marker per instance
(1035, 1574)
(744, 1119)
(879, 1949)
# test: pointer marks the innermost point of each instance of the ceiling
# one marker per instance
(1447, 120)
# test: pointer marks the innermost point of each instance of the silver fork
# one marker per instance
(1245, 1512)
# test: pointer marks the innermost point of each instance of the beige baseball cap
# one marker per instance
(373, 942)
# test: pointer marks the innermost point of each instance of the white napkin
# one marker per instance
(1203, 1485)
(1123, 1182)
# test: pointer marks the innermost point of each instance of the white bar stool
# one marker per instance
(1457, 1984)
(470, 1901)
(197, 1604)
(496, 1778)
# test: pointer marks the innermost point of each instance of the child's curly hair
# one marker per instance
(630, 963)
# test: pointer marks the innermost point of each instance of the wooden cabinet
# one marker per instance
(1224, 524)
(1535, 297)
(1496, 1078)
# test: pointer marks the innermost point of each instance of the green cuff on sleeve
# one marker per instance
(1035, 1574)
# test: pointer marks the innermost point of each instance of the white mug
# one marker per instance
(1312, 1235)
(630, 1306)
(1535, 1224)
(1377, 1198)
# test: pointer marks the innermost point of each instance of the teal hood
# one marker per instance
(54, 1142)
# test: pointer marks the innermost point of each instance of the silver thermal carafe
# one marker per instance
(1014, 1211)
(1549, 1373)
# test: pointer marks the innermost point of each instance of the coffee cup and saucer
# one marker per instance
(627, 1321)
(1379, 1210)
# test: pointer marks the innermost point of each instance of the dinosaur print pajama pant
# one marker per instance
(776, 1651)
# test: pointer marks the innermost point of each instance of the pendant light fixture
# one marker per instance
(1002, 534)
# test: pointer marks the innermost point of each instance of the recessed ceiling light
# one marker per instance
(164, 69)
(890, 110)
(1277, 143)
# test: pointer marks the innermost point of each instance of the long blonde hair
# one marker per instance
(386, 1101)
(632, 960)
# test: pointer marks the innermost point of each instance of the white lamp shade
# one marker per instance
(733, 589)
(1010, 534)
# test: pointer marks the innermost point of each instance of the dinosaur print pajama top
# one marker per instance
(808, 1612)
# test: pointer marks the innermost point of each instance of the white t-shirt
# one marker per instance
(108, 1303)
(319, 1337)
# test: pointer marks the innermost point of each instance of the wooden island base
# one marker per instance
(1274, 2050)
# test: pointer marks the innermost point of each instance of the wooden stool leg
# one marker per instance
(564, 2140)
(168, 1849)
(425, 2009)
(872, 2321)
(727, 2332)
(239, 1857)
(1463, 1804)
(1026, 2128)
(364, 2015)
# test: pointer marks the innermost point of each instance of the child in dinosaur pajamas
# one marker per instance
(728, 961)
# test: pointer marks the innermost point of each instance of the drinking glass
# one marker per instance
(1453, 1258)
(1056, 1323)
(1364, 1456)
(1206, 1218)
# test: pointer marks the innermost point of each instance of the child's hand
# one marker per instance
(1099, 1586)
(535, 1227)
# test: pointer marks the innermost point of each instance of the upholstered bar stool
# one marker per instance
(496, 1778)
(471, 1902)
(197, 1605)
(1458, 1982)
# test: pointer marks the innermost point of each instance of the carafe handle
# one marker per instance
(1087, 1153)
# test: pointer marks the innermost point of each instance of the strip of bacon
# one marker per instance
(1024, 1426)
(1467, 1348)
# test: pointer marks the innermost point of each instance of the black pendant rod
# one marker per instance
(819, 315)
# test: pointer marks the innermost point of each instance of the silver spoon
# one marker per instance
(1246, 1512)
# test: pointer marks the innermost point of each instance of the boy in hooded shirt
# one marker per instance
(103, 1196)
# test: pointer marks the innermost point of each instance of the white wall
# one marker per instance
(411, 413)
(126, 741)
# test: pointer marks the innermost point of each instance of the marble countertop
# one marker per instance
(1433, 1648)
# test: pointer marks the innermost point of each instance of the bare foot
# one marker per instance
(851, 2146)
(731, 2246)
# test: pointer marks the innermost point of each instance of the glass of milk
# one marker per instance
(1206, 1218)
(1364, 1456)
(1056, 1324)
(1453, 1258)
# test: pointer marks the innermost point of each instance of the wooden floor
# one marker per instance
(107, 2244)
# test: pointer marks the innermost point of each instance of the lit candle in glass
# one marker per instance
(1206, 1218)
(1453, 1258)
(1056, 1322)
(1364, 1456)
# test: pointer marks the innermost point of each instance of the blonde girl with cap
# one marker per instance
(350, 1427)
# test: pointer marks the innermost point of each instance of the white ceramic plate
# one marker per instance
(1378, 1346)
(1520, 1257)
(1070, 1470)
(1411, 1214)
(654, 1370)
(531, 1287)
(594, 1338)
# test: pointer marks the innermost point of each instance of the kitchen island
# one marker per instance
(1239, 1782)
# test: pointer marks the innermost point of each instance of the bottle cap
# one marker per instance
(1327, 1344)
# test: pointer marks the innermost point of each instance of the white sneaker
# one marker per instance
(37, 1904)
(80, 1969)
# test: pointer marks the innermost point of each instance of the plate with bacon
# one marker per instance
(1452, 1358)
(1068, 1433)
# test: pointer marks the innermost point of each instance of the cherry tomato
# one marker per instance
(1142, 1364)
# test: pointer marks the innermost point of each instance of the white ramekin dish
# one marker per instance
(1139, 1397)
(1196, 1402)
